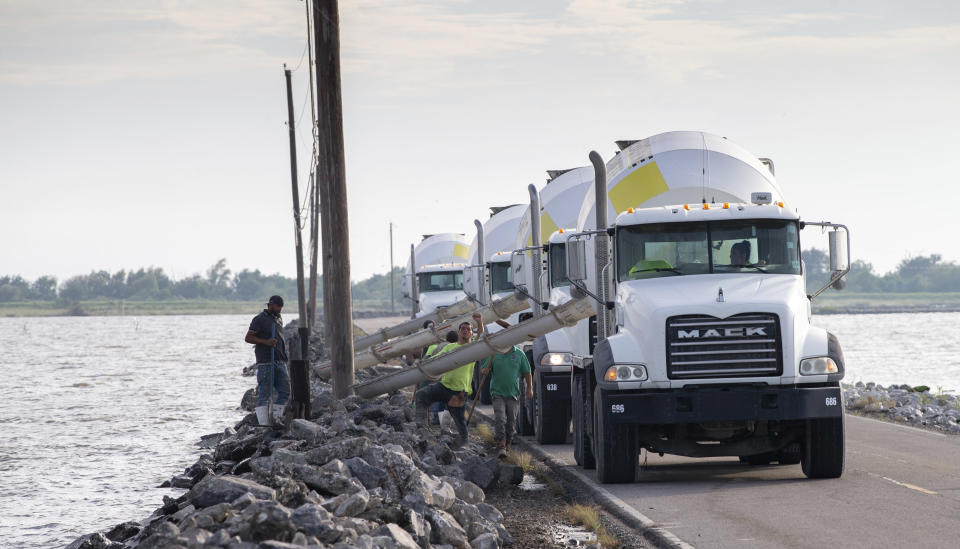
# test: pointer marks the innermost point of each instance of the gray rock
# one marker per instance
(288, 456)
(341, 449)
(268, 520)
(480, 471)
(337, 466)
(305, 430)
(123, 531)
(446, 529)
(509, 474)
(471, 520)
(325, 482)
(368, 475)
(490, 512)
(465, 490)
(401, 539)
(91, 541)
(196, 536)
(274, 544)
(485, 541)
(353, 505)
(435, 492)
(213, 490)
(418, 526)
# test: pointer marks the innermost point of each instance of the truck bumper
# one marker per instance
(706, 405)
(556, 386)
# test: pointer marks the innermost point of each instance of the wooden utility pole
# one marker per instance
(315, 195)
(299, 380)
(392, 310)
(331, 175)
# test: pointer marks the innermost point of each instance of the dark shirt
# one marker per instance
(266, 326)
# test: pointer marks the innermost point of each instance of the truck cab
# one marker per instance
(711, 351)
(439, 286)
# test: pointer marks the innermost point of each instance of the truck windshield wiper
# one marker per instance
(660, 270)
(752, 267)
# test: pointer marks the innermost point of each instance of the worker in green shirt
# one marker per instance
(453, 385)
(505, 391)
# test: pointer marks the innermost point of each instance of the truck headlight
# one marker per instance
(560, 359)
(626, 372)
(817, 366)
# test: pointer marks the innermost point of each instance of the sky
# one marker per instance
(136, 133)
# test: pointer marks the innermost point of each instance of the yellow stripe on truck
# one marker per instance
(460, 250)
(547, 228)
(633, 190)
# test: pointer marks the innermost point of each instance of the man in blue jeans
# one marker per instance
(266, 333)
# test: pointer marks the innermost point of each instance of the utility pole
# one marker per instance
(299, 380)
(331, 174)
(392, 310)
(315, 195)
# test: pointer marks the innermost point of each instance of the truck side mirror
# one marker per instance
(518, 262)
(838, 251)
(576, 260)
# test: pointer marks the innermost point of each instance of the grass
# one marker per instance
(485, 434)
(587, 516)
(522, 460)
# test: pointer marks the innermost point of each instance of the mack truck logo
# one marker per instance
(725, 332)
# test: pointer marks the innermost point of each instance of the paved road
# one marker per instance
(901, 488)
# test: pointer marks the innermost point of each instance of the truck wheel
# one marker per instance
(615, 447)
(524, 424)
(823, 451)
(582, 445)
(553, 419)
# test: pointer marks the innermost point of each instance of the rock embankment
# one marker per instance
(905, 404)
(358, 474)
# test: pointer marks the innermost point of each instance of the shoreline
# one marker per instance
(905, 405)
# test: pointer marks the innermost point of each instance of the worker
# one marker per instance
(437, 348)
(454, 386)
(266, 333)
(505, 370)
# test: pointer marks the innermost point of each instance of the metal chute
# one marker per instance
(567, 314)
(380, 353)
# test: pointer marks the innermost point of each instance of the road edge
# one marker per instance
(657, 535)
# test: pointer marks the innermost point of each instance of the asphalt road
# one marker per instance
(901, 488)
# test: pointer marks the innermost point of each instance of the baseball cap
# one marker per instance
(276, 300)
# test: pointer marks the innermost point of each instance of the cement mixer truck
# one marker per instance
(703, 344)
(434, 276)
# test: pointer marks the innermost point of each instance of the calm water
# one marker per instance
(98, 411)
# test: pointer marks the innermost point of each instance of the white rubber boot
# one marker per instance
(263, 416)
(278, 410)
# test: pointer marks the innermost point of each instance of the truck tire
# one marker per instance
(615, 447)
(526, 412)
(553, 421)
(582, 445)
(823, 450)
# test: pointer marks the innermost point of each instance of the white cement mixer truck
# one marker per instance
(435, 272)
(703, 343)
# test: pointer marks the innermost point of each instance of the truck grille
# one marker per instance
(744, 345)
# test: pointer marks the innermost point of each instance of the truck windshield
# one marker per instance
(672, 249)
(558, 265)
(440, 282)
(501, 277)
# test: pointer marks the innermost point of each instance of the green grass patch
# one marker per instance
(587, 516)
(485, 433)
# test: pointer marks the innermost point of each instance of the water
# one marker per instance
(912, 348)
(98, 411)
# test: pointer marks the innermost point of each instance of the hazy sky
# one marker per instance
(138, 133)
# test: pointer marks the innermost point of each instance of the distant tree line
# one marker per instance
(914, 274)
(152, 283)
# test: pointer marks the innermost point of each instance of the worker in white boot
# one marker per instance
(271, 353)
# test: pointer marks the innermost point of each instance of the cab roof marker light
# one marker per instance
(780, 204)
(706, 206)
(629, 210)
(726, 205)
(686, 207)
